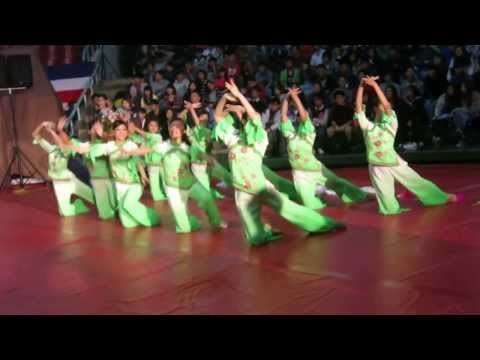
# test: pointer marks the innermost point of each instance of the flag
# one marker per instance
(69, 80)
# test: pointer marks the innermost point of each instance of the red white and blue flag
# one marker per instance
(69, 80)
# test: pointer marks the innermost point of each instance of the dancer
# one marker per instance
(180, 183)
(99, 169)
(65, 183)
(204, 164)
(153, 160)
(385, 165)
(125, 171)
(245, 153)
(283, 185)
(307, 170)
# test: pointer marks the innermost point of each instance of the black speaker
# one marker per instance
(19, 70)
(3, 72)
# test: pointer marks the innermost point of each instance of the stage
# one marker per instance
(426, 261)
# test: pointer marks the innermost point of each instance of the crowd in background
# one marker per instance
(434, 90)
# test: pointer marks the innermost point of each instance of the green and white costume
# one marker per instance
(128, 187)
(308, 171)
(180, 184)
(252, 190)
(154, 164)
(65, 183)
(203, 164)
(102, 182)
(386, 166)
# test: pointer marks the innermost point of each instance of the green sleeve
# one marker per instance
(223, 127)
(254, 131)
(306, 127)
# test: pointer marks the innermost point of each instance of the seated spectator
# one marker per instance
(262, 93)
(191, 89)
(271, 121)
(220, 80)
(472, 129)
(212, 94)
(202, 84)
(136, 89)
(232, 67)
(212, 70)
(319, 114)
(279, 91)
(148, 99)
(317, 91)
(323, 79)
(169, 73)
(140, 119)
(389, 81)
(446, 105)
(412, 118)
(154, 114)
(181, 84)
(264, 75)
(344, 87)
(158, 84)
(190, 71)
(125, 111)
(317, 57)
(290, 74)
(258, 104)
(339, 130)
(410, 78)
(172, 101)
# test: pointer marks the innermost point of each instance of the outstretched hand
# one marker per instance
(189, 106)
(61, 123)
(230, 97)
(294, 92)
(233, 88)
(370, 80)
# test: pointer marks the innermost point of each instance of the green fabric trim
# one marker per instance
(306, 127)
(253, 131)
(287, 126)
(223, 127)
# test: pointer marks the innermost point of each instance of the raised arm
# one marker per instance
(359, 98)
(285, 109)
(36, 133)
(234, 90)
(219, 115)
(58, 140)
(62, 121)
(294, 92)
(371, 81)
(191, 109)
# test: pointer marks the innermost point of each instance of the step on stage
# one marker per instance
(426, 261)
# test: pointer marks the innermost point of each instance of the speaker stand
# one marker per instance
(18, 156)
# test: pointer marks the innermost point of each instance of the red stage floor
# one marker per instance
(426, 261)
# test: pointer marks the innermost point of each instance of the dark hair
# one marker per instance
(275, 100)
(118, 123)
(339, 92)
(177, 120)
(152, 120)
(142, 110)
